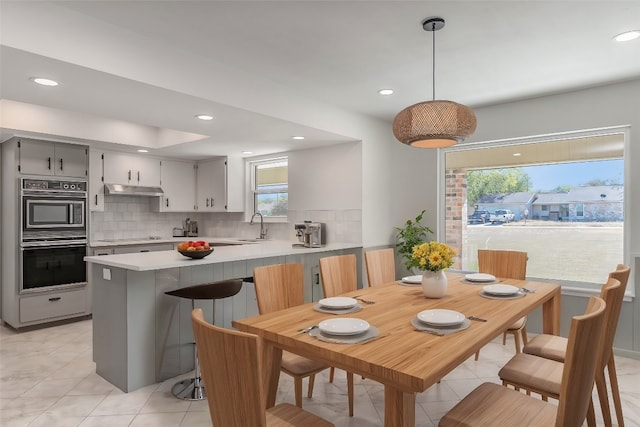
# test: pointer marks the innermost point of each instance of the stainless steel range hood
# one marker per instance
(132, 190)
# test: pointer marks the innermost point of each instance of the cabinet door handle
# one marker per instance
(207, 202)
(129, 175)
(61, 166)
(96, 200)
(49, 163)
(144, 250)
(167, 202)
(317, 278)
(138, 176)
(212, 201)
(54, 299)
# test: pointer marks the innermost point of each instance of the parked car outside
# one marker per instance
(479, 217)
(502, 215)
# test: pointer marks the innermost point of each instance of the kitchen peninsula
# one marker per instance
(142, 336)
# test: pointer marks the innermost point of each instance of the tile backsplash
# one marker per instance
(132, 217)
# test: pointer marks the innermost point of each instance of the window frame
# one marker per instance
(251, 164)
(568, 287)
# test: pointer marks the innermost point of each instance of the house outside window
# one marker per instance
(580, 209)
(270, 187)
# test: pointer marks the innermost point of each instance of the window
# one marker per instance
(270, 187)
(565, 192)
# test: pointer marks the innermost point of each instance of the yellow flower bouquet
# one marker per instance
(432, 256)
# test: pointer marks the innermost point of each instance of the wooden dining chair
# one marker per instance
(554, 347)
(506, 265)
(543, 376)
(232, 371)
(494, 405)
(279, 287)
(381, 266)
(339, 275)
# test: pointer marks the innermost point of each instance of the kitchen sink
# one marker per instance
(214, 244)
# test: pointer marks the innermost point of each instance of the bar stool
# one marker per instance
(192, 388)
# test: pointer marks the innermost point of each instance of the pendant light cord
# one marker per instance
(433, 65)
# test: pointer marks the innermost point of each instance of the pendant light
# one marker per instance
(436, 123)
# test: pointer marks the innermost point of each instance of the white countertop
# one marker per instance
(148, 261)
(154, 241)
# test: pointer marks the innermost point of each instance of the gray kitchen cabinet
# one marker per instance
(220, 185)
(52, 158)
(178, 181)
(129, 169)
(96, 181)
(52, 306)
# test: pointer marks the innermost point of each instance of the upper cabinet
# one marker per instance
(178, 181)
(129, 169)
(220, 185)
(96, 180)
(52, 158)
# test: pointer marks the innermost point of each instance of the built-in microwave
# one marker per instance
(53, 205)
(53, 213)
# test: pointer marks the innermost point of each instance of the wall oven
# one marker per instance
(53, 234)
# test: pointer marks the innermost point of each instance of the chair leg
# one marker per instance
(312, 379)
(297, 382)
(504, 338)
(350, 392)
(615, 391)
(331, 372)
(525, 340)
(601, 385)
(591, 415)
(516, 339)
(477, 355)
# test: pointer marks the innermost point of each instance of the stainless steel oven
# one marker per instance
(53, 234)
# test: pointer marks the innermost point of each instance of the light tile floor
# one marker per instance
(47, 378)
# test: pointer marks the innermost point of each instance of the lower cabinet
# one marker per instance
(53, 305)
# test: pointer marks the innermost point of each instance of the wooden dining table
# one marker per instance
(405, 360)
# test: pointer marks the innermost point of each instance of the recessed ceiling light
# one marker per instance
(204, 117)
(143, 151)
(386, 92)
(247, 152)
(44, 82)
(297, 137)
(627, 36)
(516, 154)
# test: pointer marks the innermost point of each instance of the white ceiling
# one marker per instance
(268, 70)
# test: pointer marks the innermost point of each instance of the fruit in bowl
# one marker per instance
(195, 249)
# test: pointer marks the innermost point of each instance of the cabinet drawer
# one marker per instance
(52, 305)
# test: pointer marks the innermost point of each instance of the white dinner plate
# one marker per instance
(500, 290)
(337, 302)
(412, 279)
(343, 326)
(480, 277)
(441, 317)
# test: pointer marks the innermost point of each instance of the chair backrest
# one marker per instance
(230, 363)
(580, 365)
(613, 296)
(507, 264)
(339, 274)
(279, 286)
(381, 266)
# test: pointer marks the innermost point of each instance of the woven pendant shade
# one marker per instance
(437, 123)
(434, 124)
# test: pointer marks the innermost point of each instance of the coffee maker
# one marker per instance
(310, 234)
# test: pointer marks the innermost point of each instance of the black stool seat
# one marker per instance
(215, 290)
(192, 388)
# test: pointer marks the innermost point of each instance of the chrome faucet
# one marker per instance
(263, 231)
